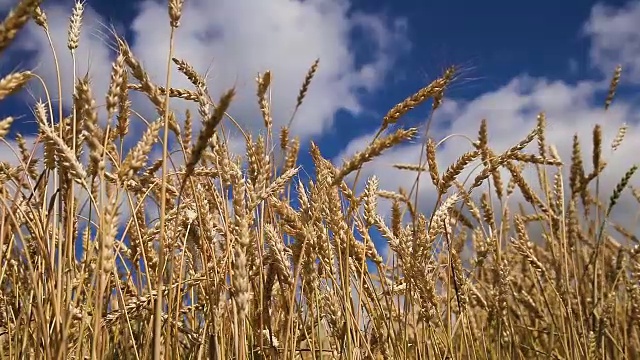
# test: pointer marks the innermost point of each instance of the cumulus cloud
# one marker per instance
(241, 38)
(235, 40)
(511, 110)
(511, 113)
(615, 38)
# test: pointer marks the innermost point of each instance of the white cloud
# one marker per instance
(237, 39)
(615, 37)
(512, 109)
(242, 38)
(511, 113)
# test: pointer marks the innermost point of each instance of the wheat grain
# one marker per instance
(374, 149)
(613, 86)
(5, 125)
(13, 83)
(73, 36)
(430, 91)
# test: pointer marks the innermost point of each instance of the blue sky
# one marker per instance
(519, 58)
(494, 41)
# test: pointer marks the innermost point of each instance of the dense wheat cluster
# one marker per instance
(107, 253)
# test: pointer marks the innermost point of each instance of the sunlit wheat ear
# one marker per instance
(264, 81)
(523, 246)
(303, 90)
(66, 159)
(434, 173)
(137, 157)
(284, 138)
(41, 116)
(617, 141)
(13, 83)
(124, 108)
(118, 78)
(185, 68)
(374, 149)
(456, 169)
(437, 222)
(447, 78)
(542, 124)
(371, 200)
(15, 20)
(529, 194)
(207, 132)
(85, 106)
(279, 255)
(497, 161)
(410, 167)
(258, 164)
(336, 218)
(468, 201)
(146, 85)
(617, 73)
(26, 156)
(184, 94)
(460, 281)
(242, 240)
(617, 192)
(202, 98)
(108, 235)
(576, 174)
(291, 155)
(487, 211)
(307, 82)
(523, 143)
(427, 92)
(534, 159)
(274, 188)
(40, 18)
(598, 165)
(175, 12)
(396, 218)
(75, 23)
(488, 155)
(5, 125)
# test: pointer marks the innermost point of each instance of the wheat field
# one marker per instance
(107, 253)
